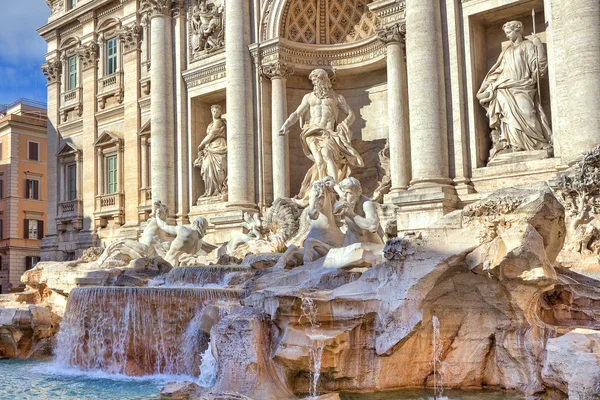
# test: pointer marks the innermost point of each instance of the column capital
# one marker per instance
(392, 34)
(160, 7)
(52, 70)
(276, 70)
(88, 54)
(130, 36)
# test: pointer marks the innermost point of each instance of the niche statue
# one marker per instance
(212, 155)
(325, 139)
(510, 95)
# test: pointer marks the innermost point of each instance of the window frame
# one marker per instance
(115, 172)
(72, 75)
(71, 4)
(29, 143)
(111, 58)
(33, 189)
(71, 180)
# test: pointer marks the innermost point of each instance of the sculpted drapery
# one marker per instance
(509, 94)
(212, 155)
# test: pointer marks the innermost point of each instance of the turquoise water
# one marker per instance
(42, 379)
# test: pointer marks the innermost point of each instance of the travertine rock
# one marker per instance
(180, 390)
(572, 364)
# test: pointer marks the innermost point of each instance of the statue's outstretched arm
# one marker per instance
(171, 230)
(295, 116)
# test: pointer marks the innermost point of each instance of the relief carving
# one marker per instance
(207, 27)
(130, 37)
(88, 55)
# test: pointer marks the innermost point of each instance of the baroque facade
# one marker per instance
(132, 85)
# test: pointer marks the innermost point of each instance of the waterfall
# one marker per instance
(438, 366)
(208, 370)
(136, 331)
(310, 313)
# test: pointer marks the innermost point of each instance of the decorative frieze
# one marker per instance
(392, 34)
(276, 70)
(205, 75)
(52, 70)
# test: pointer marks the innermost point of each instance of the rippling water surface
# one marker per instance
(428, 395)
(42, 380)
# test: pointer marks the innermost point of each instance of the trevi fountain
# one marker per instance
(456, 256)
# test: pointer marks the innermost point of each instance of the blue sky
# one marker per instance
(22, 50)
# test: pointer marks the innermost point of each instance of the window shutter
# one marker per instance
(33, 151)
(40, 229)
(1, 188)
(1, 232)
(27, 185)
(27, 263)
(26, 223)
(36, 190)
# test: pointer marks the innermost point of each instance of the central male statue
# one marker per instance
(324, 140)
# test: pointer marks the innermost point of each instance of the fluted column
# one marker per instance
(144, 161)
(427, 94)
(399, 139)
(278, 73)
(240, 131)
(162, 103)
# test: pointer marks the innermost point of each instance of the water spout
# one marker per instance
(310, 313)
(438, 366)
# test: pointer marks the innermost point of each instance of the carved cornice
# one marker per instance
(207, 74)
(130, 37)
(88, 55)
(52, 70)
(392, 34)
(275, 70)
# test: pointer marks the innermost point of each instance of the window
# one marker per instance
(111, 56)
(71, 182)
(34, 229)
(33, 151)
(72, 4)
(111, 169)
(72, 73)
(1, 236)
(1, 188)
(30, 262)
(32, 187)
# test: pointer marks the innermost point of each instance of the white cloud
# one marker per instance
(19, 40)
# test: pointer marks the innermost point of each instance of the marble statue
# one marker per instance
(212, 155)
(207, 28)
(188, 239)
(151, 243)
(510, 95)
(325, 139)
(359, 213)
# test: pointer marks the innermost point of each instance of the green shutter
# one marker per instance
(72, 84)
(112, 174)
(72, 182)
(111, 56)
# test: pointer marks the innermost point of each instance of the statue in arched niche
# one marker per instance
(325, 139)
(510, 95)
(212, 155)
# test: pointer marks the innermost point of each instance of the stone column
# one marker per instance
(399, 139)
(278, 73)
(240, 131)
(61, 181)
(78, 183)
(144, 161)
(162, 103)
(427, 94)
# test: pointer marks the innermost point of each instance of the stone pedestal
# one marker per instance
(419, 209)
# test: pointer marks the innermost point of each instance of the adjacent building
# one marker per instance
(131, 84)
(23, 188)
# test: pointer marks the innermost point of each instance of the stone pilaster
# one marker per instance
(399, 135)
(278, 72)
(427, 94)
(162, 102)
(130, 42)
(52, 70)
(240, 131)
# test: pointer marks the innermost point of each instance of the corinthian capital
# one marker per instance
(160, 7)
(88, 55)
(278, 69)
(392, 34)
(52, 70)
(130, 37)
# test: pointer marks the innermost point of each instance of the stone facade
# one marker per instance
(23, 188)
(131, 84)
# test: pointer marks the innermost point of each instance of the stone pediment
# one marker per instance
(145, 129)
(68, 149)
(107, 138)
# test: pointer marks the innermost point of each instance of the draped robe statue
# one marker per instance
(509, 94)
(324, 140)
(212, 155)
